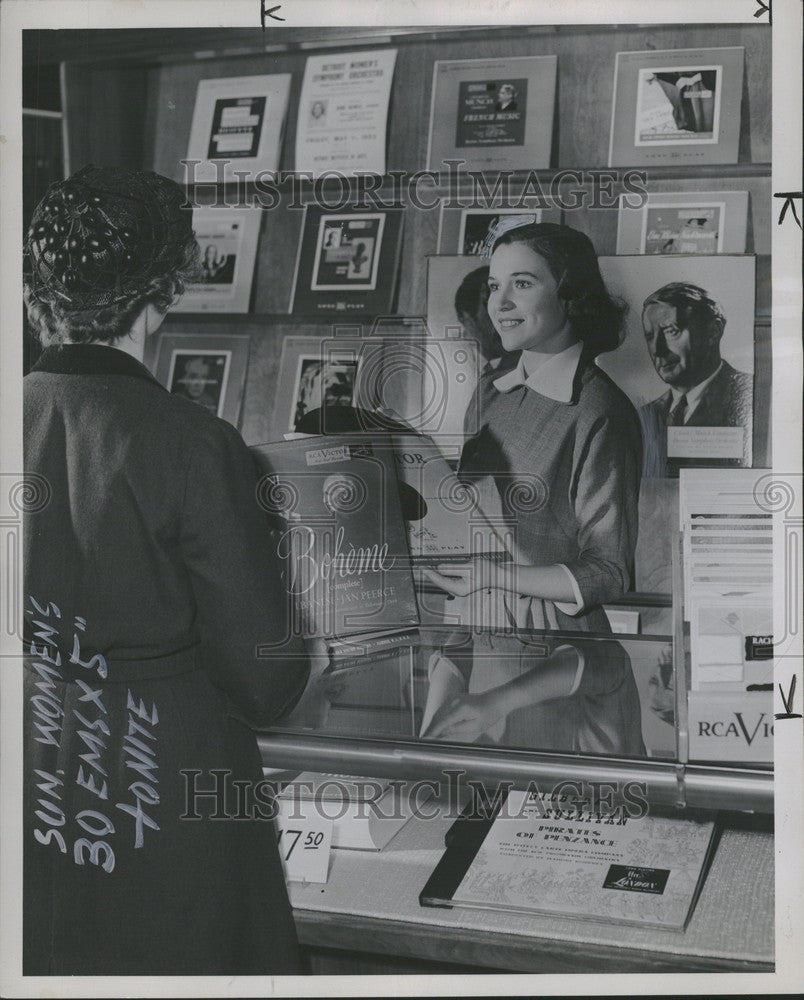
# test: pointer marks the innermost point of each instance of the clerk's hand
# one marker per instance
(480, 574)
(466, 718)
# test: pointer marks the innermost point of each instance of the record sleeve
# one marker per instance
(237, 128)
(347, 262)
(492, 113)
(228, 239)
(700, 222)
(679, 106)
(335, 501)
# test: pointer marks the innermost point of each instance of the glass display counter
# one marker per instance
(515, 705)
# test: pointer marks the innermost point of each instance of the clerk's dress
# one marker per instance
(154, 624)
(560, 476)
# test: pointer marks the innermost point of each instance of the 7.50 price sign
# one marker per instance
(304, 844)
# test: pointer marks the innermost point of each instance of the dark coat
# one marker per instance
(150, 568)
(726, 402)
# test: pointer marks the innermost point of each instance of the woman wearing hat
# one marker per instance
(155, 620)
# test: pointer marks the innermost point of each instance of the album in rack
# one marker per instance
(347, 262)
(492, 114)
(238, 125)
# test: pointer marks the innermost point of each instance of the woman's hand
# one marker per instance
(466, 718)
(480, 574)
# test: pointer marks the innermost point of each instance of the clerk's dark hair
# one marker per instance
(595, 316)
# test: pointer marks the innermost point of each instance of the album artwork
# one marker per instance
(472, 231)
(227, 239)
(684, 223)
(347, 262)
(209, 369)
(238, 123)
(676, 106)
(342, 534)
(492, 113)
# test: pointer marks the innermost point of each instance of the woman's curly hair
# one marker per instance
(595, 316)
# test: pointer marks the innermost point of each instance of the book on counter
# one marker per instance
(541, 854)
(367, 813)
(492, 114)
(347, 262)
(342, 535)
(237, 128)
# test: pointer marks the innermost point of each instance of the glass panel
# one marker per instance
(567, 693)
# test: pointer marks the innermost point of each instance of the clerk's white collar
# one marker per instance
(552, 377)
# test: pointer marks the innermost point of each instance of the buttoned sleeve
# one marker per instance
(242, 608)
(604, 493)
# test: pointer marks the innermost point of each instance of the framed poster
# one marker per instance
(238, 123)
(472, 231)
(700, 222)
(207, 369)
(492, 113)
(687, 360)
(347, 262)
(678, 106)
(228, 239)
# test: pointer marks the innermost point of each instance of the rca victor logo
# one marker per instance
(630, 878)
(739, 728)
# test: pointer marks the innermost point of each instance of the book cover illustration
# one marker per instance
(342, 538)
(347, 262)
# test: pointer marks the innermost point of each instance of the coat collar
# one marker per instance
(91, 359)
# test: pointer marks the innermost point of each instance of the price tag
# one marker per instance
(304, 839)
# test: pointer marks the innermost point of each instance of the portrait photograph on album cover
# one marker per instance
(227, 241)
(207, 368)
(200, 376)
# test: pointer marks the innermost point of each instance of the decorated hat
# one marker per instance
(101, 236)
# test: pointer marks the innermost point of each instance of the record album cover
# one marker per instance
(339, 529)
